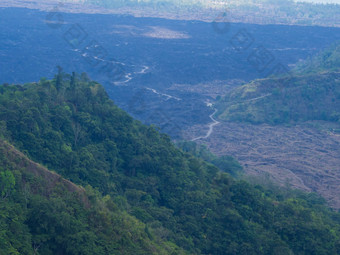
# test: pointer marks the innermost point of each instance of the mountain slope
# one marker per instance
(71, 126)
(42, 213)
(328, 60)
(311, 93)
(284, 100)
(52, 179)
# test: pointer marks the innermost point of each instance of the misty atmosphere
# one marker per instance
(169, 127)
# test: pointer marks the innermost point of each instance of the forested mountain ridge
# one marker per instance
(42, 213)
(310, 92)
(52, 179)
(157, 199)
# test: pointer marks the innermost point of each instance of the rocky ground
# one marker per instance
(303, 156)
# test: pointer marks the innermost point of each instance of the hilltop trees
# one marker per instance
(144, 196)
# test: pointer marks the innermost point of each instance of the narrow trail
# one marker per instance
(164, 95)
(257, 98)
(211, 127)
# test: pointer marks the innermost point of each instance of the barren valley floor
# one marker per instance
(303, 156)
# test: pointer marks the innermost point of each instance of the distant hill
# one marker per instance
(246, 11)
(326, 61)
(311, 92)
(142, 195)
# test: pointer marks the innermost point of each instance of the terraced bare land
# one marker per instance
(302, 156)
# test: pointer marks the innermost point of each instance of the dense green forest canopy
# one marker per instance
(41, 213)
(144, 195)
(225, 163)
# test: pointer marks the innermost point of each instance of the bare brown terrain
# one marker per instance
(302, 156)
(51, 179)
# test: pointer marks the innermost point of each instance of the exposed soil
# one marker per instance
(302, 156)
(50, 178)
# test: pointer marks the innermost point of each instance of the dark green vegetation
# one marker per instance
(142, 195)
(225, 163)
(41, 213)
(328, 60)
(312, 92)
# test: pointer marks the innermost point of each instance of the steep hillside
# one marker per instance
(224, 163)
(157, 199)
(51, 179)
(42, 213)
(310, 93)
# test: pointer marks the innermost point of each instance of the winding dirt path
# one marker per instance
(211, 127)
